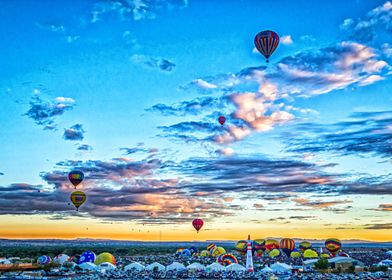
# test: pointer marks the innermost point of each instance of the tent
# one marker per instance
(281, 268)
(196, 266)
(215, 267)
(235, 267)
(88, 266)
(158, 266)
(106, 266)
(135, 266)
(175, 266)
(267, 270)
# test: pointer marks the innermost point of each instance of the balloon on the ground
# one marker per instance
(222, 120)
(259, 246)
(185, 253)
(218, 251)
(333, 245)
(287, 245)
(227, 259)
(44, 260)
(310, 254)
(205, 253)
(75, 177)
(241, 246)
(78, 198)
(60, 259)
(295, 254)
(87, 256)
(179, 251)
(105, 257)
(324, 256)
(266, 42)
(197, 224)
(304, 245)
(193, 250)
(274, 253)
(271, 244)
(211, 247)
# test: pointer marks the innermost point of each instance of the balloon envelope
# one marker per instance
(241, 246)
(266, 42)
(227, 259)
(304, 245)
(310, 254)
(259, 246)
(78, 198)
(197, 224)
(295, 254)
(44, 260)
(105, 257)
(218, 251)
(287, 245)
(333, 245)
(75, 177)
(211, 247)
(274, 253)
(271, 244)
(205, 253)
(222, 120)
(87, 256)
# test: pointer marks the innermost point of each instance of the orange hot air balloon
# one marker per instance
(287, 245)
(197, 224)
(271, 244)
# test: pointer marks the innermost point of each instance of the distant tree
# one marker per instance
(321, 264)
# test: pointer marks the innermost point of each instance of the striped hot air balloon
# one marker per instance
(333, 245)
(287, 245)
(266, 42)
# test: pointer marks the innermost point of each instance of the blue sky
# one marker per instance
(130, 92)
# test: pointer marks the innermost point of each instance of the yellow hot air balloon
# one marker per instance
(274, 253)
(218, 251)
(241, 246)
(205, 253)
(324, 256)
(105, 257)
(310, 254)
(295, 254)
(271, 244)
(78, 198)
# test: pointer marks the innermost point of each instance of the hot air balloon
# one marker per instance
(211, 247)
(304, 245)
(179, 251)
(60, 259)
(226, 259)
(241, 246)
(105, 257)
(193, 250)
(218, 251)
(87, 257)
(324, 256)
(44, 260)
(222, 120)
(333, 245)
(271, 244)
(78, 198)
(287, 245)
(274, 253)
(310, 254)
(295, 254)
(185, 253)
(205, 253)
(266, 42)
(259, 246)
(75, 177)
(197, 224)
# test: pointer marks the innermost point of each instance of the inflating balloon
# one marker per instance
(271, 244)
(205, 253)
(60, 259)
(287, 245)
(274, 253)
(304, 245)
(333, 245)
(310, 254)
(77, 199)
(44, 260)
(211, 247)
(185, 253)
(197, 224)
(295, 254)
(226, 259)
(266, 42)
(193, 250)
(87, 257)
(218, 251)
(222, 120)
(105, 257)
(75, 177)
(259, 246)
(241, 246)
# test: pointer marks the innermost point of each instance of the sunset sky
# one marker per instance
(129, 92)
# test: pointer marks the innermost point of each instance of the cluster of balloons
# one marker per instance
(274, 248)
(77, 197)
(87, 256)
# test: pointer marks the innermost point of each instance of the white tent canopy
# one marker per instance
(107, 266)
(135, 266)
(267, 269)
(88, 266)
(196, 266)
(215, 267)
(235, 267)
(281, 267)
(175, 266)
(159, 266)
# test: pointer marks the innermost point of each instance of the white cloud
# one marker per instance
(286, 40)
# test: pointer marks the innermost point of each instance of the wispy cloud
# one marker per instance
(85, 147)
(286, 40)
(44, 112)
(158, 63)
